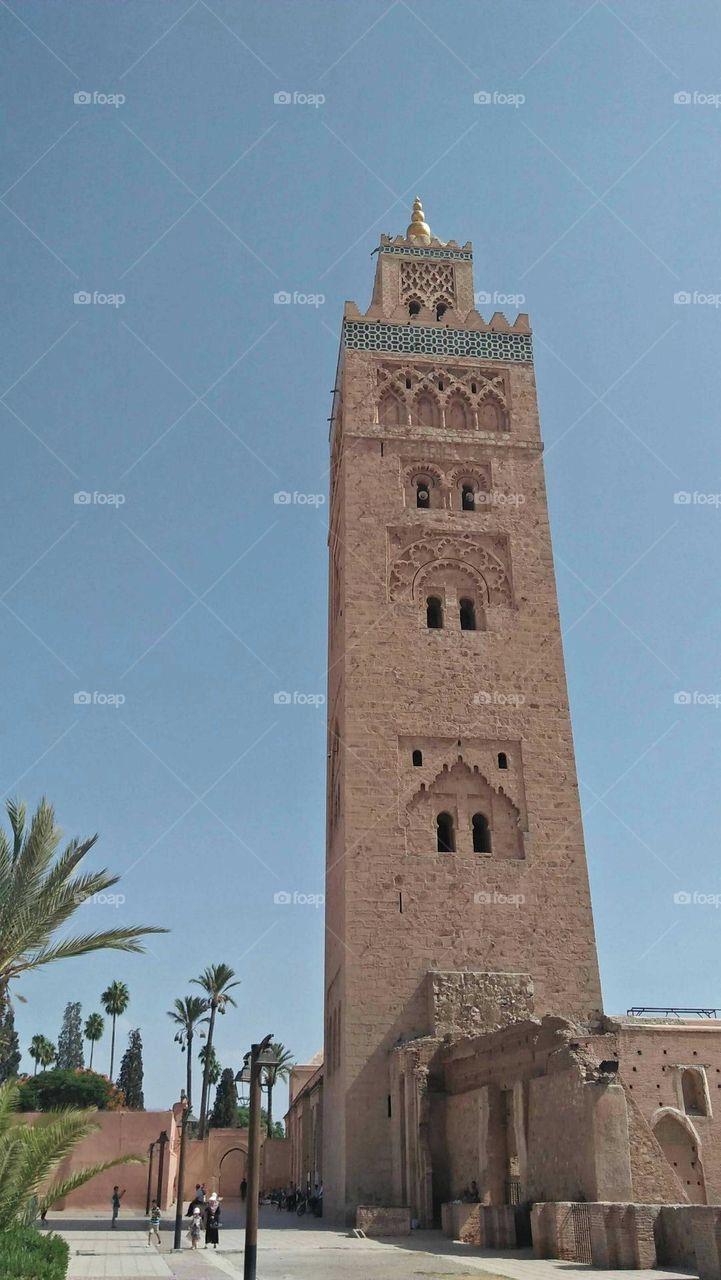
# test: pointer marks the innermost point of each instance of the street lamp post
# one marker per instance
(259, 1058)
(151, 1149)
(180, 1191)
(163, 1141)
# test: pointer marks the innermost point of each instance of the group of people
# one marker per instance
(471, 1195)
(296, 1200)
(204, 1214)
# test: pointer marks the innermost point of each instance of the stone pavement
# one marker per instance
(292, 1248)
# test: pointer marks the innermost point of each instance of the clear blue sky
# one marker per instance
(199, 397)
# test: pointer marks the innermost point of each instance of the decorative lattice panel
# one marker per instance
(420, 340)
(429, 282)
(417, 251)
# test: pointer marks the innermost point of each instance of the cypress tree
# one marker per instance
(130, 1079)
(225, 1112)
(9, 1045)
(70, 1041)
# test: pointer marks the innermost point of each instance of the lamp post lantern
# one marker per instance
(186, 1119)
(151, 1149)
(259, 1057)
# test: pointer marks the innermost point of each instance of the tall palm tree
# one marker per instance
(93, 1031)
(31, 1151)
(42, 1051)
(280, 1070)
(216, 982)
(115, 1000)
(40, 891)
(189, 1014)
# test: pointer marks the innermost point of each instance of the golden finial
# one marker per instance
(419, 229)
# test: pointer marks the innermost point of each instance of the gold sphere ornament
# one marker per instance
(419, 229)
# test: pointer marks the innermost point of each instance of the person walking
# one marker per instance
(212, 1220)
(196, 1226)
(115, 1202)
(243, 1189)
(154, 1222)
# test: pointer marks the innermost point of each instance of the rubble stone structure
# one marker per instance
(457, 897)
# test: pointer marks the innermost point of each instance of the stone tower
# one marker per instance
(457, 895)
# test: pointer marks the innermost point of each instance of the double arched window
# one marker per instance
(446, 833)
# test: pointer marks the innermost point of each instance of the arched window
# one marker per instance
(426, 410)
(417, 759)
(434, 613)
(414, 308)
(441, 310)
(390, 412)
(467, 611)
(694, 1094)
(456, 414)
(491, 416)
(423, 495)
(468, 498)
(446, 834)
(502, 760)
(481, 834)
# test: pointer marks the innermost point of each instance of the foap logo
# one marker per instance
(284, 498)
(484, 299)
(495, 899)
(284, 898)
(82, 298)
(296, 699)
(83, 698)
(695, 298)
(84, 98)
(100, 899)
(497, 499)
(495, 98)
(694, 698)
(684, 498)
(497, 698)
(83, 498)
(684, 98)
(285, 299)
(685, 898)
(294, 98)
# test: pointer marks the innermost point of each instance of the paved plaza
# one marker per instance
(292, 1248)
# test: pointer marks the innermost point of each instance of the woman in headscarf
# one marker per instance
(212, 1220)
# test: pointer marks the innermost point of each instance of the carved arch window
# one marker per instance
(426, 410)
(458, 413)
(492, 415)
(391, 411)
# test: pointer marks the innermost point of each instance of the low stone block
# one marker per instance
(383, 1220)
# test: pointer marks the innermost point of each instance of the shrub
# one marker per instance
(26, 1254)
(79, 1088)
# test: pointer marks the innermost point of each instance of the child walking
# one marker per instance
(154, 1222)
(196, 1226)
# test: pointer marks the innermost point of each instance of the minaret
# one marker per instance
(457, 895)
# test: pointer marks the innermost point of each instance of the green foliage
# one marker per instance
(40, 892)
(243, 1113)
(280, 1070)
(93, 1031)
(208, 1053)
(30, 1153)
(216, 981)
(9, 1045)
(26, 1254)
(225, 1112)
(130, 1080)
(188, 1014)
(42, 1051)
(53, 1089)
(70, 1041)
(115, 1000)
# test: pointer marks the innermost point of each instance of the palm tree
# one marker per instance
(189, 1014)
(31, 1151)
(280, 1070)
(216, 983)
(39, 892)
(93, 1031)
(42, 1051)
(115, 1000)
